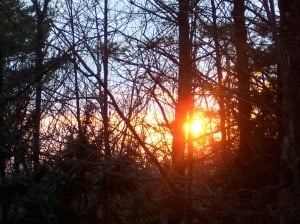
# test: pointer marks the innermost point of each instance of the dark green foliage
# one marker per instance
(16, 28)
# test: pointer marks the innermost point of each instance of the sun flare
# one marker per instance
(194, 126)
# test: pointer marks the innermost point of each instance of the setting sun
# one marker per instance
(194, 125)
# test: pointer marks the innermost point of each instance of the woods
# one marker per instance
(149, 111)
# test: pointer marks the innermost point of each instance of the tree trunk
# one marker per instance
(244, 154)
(289, 196)
(220, 96)
(38, 101)
(4, 205)
(183, 108)
(77, 95)
(105, 81)
(108, 214)
(41, 31)
(243, 74)
(2, 140)
(185, 103)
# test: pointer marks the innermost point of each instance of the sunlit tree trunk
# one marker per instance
(289, 196)
(183, 108)
(184, 103)
(243, 75)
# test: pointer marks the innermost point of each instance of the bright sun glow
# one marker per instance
(194, 126)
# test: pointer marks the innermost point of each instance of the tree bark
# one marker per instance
(105, 116)
(77, 95)
(184, 107)
(243, 74)
(289, 196)
(220, 96)
(2, 140)
(41, 32)
(184, 104)
(105, 82)
(38, 94)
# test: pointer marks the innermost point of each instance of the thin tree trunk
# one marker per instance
(105, 81)
(41, 10)
(2, 140)
(78, 114)
(220, 97)
(4, 207)
(107, 211)
(190, 175)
